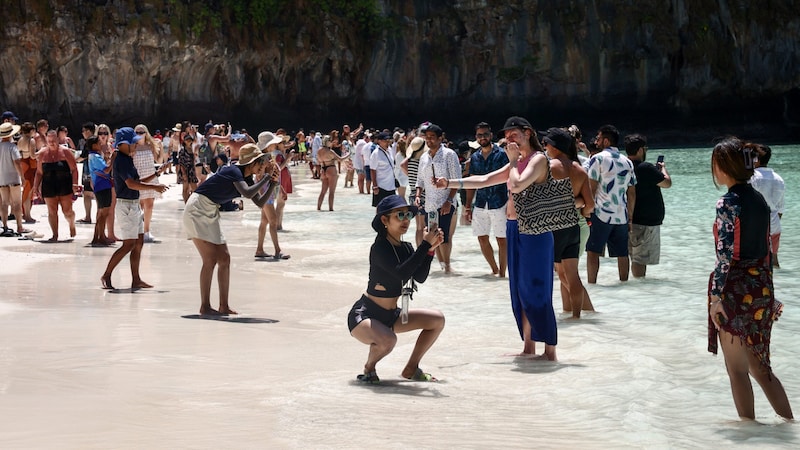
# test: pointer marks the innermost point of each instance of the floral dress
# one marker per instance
(742, 278)
(186, 160)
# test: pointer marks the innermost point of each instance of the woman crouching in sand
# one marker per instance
(202, 222)
(373, 319)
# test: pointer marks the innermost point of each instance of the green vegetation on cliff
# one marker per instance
(205, 20)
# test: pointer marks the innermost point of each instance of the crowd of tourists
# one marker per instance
(546, 197)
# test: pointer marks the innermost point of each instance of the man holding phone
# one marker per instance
(644, 242)
(440, 204)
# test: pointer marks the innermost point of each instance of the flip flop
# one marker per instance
(419, 375)
(369, 378)
(265, 255)
(279, 256)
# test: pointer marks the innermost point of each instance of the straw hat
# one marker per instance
(267, 138)
(248, 154)
(177, 127)
(7, 130)
(416, 144)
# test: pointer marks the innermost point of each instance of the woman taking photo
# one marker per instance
(393, 263)
(56, 181)
(201, 219)
(530, 256)
(741, 301)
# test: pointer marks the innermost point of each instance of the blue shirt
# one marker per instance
(124, 170)
(97, 166)
(219, 188)
(495, 196)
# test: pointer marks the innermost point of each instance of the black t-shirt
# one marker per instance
(391, 266)
(649, 207)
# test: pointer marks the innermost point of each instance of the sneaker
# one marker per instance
(148, 238)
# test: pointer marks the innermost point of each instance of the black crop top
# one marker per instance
(387, 275)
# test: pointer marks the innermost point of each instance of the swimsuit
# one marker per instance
(56, 179)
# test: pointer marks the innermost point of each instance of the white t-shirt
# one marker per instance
(381, 162)
(771, 186)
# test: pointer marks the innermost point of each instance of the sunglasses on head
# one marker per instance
(404, 215)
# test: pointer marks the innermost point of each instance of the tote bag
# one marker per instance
(549, 206)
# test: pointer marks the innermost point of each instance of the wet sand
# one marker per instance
(82, 367)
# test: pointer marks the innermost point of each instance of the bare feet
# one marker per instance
(53, 239)
(106, 282)
(140, 285)
(226, 311)
(209, 311)
(72, 231)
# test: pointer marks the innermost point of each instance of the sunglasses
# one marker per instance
(140, 132)
(102, 133)
(404, 215)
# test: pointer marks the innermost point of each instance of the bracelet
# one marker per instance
(431, 252)
(461, 183)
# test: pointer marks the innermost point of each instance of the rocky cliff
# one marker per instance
(313, 61)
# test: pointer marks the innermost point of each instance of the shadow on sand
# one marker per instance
(234, 319)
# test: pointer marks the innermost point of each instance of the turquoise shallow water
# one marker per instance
(635, 374)
(83, 368)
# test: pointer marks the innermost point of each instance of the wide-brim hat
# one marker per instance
(517, 122)
(414, 146)
(248, 154)
(126, 135)
(7, 129)
(267, 138)
(177, 127)
(386, 206)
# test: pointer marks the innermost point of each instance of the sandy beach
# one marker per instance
(82, 367)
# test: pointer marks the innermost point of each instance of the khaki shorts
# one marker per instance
(644, 244)
(201, 219)
(128, 219)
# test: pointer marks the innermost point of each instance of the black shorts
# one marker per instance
(444, 222)
(379, 194)
(365, 309)
(103, 198)
(566, 243)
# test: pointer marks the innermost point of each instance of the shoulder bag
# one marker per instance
(544, 207)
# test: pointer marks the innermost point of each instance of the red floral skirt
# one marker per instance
(748, 300)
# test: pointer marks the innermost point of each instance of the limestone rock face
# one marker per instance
(467, 58)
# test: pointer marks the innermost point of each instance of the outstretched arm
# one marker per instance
(499, 176)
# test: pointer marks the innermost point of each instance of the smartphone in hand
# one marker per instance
(433, 220)
(660, 159)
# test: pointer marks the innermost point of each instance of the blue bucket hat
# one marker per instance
(126, 135)
(385, 206)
